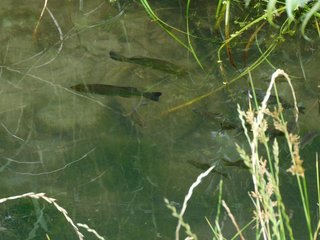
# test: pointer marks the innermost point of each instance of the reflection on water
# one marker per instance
(110, 161)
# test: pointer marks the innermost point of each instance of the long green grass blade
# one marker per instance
(188, 37)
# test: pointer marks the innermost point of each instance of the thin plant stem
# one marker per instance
(188, 36)
(188, 196)
(231, 216)
(227, 32)
(199, 98)
(163, 24)
(300, 180)
(217, 225)
(242, 30)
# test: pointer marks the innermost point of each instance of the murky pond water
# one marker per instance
(109, 160)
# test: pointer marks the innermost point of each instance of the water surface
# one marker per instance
(110, 161)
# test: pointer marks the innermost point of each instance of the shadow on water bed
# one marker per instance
(107, 157)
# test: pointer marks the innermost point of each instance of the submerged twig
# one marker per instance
(60, 38)
(35, 31)
(58, 169)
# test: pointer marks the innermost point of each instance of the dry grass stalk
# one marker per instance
(35, 31)
(266, 182)
(85, 226)
(184, 207)
(232, 219)
(53, 202)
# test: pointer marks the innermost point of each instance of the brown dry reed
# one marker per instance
(270, 218)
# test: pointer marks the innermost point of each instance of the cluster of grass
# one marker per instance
(270, 219)
(289, 18)
(308, 8)
(299, 15)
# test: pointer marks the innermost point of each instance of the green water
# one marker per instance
(110, 161)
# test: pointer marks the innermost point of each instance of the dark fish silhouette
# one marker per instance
(238, 163)
(225, 123)
(111, 90)
(153, 63)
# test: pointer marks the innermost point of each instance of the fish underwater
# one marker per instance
(224, 122)
(238, 163)
(111, 90)
(153, 63)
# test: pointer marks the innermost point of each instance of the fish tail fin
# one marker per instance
(117, 56)
(154, 96)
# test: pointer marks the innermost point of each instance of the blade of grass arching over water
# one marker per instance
(307, 17)
(199, 98)
(165, 26)
(188, 36)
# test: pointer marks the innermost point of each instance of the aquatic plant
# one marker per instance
(308, 8)
(270, 218)
(236, 22)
